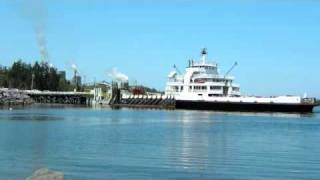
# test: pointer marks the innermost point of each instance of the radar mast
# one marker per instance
(203, 55)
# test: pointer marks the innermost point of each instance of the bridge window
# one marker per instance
(196, 87)
(215, 87)
(200, 88)
(175, 88)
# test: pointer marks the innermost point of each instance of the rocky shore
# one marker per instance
(46, 174)
(13, 97)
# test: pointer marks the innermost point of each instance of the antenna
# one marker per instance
(232, 67)
(176, 68)
(225, 88)
(203, 55)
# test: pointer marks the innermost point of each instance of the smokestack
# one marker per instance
(75, 72)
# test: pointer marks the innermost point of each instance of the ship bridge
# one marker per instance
(201, 79)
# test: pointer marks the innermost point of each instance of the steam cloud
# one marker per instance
(42, 44)
(74, 67)
(36, 12)
(118, 76)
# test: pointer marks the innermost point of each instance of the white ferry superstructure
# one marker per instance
(202, 87)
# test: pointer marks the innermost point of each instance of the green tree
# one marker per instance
(44, 77)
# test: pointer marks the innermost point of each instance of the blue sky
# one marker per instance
(275, 43)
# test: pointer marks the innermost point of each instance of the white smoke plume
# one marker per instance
(74, 67)
(117, 76)
(42, 44)
(36, 12)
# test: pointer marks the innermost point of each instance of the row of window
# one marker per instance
(198, 87)
(212, 95)
(210, 80)
(203, 88)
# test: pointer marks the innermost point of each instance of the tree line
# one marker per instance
(39, 76)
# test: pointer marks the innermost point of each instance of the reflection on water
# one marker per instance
(97, 143)
(191, 147)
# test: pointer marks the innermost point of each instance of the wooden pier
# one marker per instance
(54, 97)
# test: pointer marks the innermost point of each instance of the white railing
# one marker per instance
(37, 92)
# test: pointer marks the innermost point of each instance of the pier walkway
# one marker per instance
(61, 97)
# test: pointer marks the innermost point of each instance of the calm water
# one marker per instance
(89, 143)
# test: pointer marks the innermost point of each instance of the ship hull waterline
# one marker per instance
(244, 107)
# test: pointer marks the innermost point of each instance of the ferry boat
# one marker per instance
(202, 87)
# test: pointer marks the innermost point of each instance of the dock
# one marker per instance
(60, 97)
(141, 101)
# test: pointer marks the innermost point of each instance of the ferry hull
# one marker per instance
(246, 107)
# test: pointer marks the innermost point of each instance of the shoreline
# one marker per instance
(13, 97)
